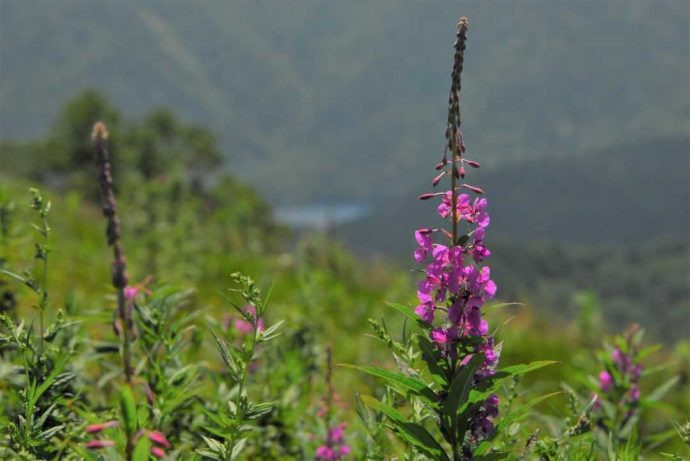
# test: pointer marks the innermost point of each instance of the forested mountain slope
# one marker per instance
(348, 102)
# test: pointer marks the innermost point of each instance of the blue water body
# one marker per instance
(320, 216)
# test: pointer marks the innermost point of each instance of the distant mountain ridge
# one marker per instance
(615, 223)
(621, 195)
(345, 100)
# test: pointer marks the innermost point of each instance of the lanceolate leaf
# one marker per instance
(413, 433)
(410, 314)
(521, 410)
(516, 370)
(432, 358)
(142, 449)
(661, 391)
(459, 391)
(129, 410)
(411, 384)
(225, 353)
(492, 384)
(50, 380)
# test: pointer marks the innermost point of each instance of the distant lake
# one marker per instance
(321, 216)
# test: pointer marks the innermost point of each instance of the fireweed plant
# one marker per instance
(234, 419)
(43, 388)
(333, 447)
(619, 399)
(133, 437)
(455, 415)
(604, 416)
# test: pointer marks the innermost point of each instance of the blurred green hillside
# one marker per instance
(635, 259)
(188, 226)
(345, 99)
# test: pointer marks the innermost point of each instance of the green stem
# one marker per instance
(43, 303)
(249, 354)
(454, 194)
(123, 310)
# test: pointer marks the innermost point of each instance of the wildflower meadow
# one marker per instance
(152, 307)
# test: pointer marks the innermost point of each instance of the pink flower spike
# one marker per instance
(95, 428)
(472, 163)
(159, 438)
(96, 444)
(158, 452)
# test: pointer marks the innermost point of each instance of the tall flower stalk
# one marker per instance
(123, 325)
(455, 398)
(334, 447)
(455, 282)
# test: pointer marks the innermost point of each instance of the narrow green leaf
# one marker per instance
(459, 391)
(521, 369)
(520, 411)
(272, 331)
(208, 454)
(410, 314)
(225, 354)
(142, 450)
(50, 379)
(17, 277)
(237, 449)
(44, 416)
(511, 417)
(647, 351)
(432, 358)
(659, 393)
(413, 433)
(128, 407)
(492, 307)
(411, 384)
(490, 385)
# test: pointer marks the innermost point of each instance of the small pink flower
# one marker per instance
(95, 428)
(159, 438)
(337, 433)
(131, 292)
(158, 452)
(440, 336)
(605, 381)
(426, 311)
(96, 444)
(635, 393)
(324, 453)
